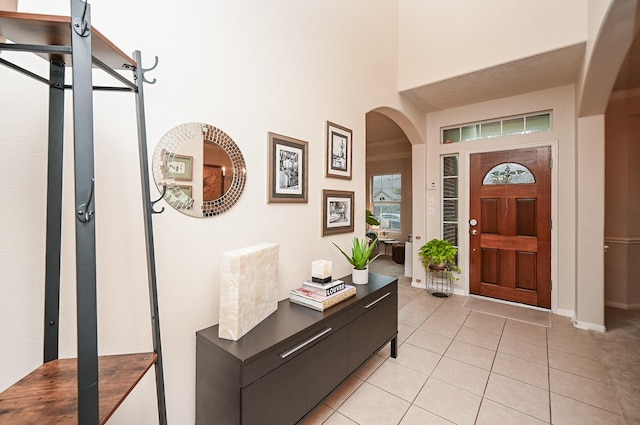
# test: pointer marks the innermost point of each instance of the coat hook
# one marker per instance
(164, 191)
(149, 69)
(85, 215)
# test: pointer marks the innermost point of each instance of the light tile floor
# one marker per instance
(455, 366)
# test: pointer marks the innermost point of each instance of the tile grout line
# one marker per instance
(484, 391)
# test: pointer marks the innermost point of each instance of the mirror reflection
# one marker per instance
(200, 169)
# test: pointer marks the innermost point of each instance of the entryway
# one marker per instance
(510, 225)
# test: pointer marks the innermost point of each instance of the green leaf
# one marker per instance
(371, 219)
(361, 252)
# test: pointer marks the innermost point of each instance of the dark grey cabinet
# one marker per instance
(291, 361)
(370, 327)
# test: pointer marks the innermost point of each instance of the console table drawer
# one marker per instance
(370, 330)
(285, 394)
(284, 352)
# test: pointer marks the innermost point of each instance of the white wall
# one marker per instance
(440, 40)
(247, 67)
(590, 223)
(622, 201)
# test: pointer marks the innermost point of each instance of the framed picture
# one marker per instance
(337, 212)
(178, 167)
(338, 151)
(179, 197)
(288, 159)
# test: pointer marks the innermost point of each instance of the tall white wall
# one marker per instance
(590, 223)
(622, 201)
(247, 67)
(440, 40)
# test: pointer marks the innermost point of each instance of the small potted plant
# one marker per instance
(360, 258)
(438, 254)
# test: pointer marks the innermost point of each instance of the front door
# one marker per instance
(510, 225)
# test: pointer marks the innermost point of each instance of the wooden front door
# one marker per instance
(510, 225)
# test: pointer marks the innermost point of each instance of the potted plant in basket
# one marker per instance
(360, 258)
(438, 254)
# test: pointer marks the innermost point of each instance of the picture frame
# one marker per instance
(177, 167)
(337, 212)
(288, 169)
(339, 151)
(179, 196)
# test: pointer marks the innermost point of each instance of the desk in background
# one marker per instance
(388, 243)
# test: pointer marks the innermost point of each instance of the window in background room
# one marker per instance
(450, 199)
(386, 192)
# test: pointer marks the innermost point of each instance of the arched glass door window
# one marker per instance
(508, 173)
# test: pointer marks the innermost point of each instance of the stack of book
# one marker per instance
(320, 296)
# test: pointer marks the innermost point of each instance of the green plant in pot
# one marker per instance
(360, 258)
(440, 255)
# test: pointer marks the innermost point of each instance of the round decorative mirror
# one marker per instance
(199, 169)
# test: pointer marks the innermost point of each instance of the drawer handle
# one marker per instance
(378, 300)
(304, 344)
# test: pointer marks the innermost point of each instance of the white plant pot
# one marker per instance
(360, 277)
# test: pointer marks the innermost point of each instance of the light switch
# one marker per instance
(431, 201)
(432, 211)
(433, 186)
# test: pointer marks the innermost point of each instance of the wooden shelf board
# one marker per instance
(49, 394)
(54, 30)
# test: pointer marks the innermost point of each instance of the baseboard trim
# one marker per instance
(418, 285)
(457, 291)
(589, 326)
(622, 306)
(565, 313)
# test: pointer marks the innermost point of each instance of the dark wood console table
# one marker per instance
(285, 366)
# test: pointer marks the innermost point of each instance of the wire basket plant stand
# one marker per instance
(439, 281)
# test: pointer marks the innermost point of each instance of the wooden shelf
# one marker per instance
(49, 394)
(53, 30)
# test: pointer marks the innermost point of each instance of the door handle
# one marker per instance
(474, 232)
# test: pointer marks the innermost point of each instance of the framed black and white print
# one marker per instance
(177, 167)
(339, 148)
(337, 212)
(288, 159)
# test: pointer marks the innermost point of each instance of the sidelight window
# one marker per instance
(450, 199)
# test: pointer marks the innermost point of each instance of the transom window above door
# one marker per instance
(506, 126)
